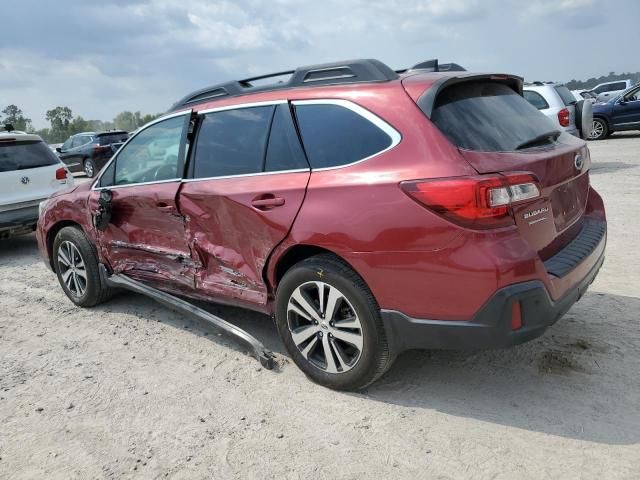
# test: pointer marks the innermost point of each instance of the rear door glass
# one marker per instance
(284, 151)
(535, 99)
(334, 135)
(566, 95)
(487, 116)
(232, 142)
(25, 155)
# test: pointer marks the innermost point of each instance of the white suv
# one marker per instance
(558, 103)
(29, 173)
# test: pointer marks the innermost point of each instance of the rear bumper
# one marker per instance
(20, 217)
(491, 326)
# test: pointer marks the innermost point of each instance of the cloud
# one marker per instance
(102, 58)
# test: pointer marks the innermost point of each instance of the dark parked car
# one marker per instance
(369, 211)
(618, 114)
(88, 152)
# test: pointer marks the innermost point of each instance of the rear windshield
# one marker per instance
(112, 138)
(25, 155)
(566, 96)
(488, 117)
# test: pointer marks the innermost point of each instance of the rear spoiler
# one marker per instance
(428, 98)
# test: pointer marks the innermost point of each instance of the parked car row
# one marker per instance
(581, 114)
(29, 173)
(88, 152)
(370, 211)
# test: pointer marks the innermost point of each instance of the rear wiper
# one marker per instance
(544, 138)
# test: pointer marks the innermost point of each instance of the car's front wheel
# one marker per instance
(330, 324)
(599, 129)
(76, 265)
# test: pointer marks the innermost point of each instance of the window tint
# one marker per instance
(25, 155)
(601, 89)
(67, 145)
(152, 155)
(334, 135)
(232, 142)
(487, 116)
(566, 95)
(284, 151)
(77, 141)
(535, 99)
(110, 138)
(618, 86)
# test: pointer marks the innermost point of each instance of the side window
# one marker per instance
(334, 135)
(284, 151)
(77, 141)
(67, 145)
(618, 86)
(232, 142)
(601, 89)
(152, 155)
(535, 99)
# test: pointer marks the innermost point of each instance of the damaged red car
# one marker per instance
(370, 211)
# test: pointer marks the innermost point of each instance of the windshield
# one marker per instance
(488, 117)
(25, 155)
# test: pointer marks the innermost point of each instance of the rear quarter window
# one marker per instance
(334, 135)
(566, 95)
(535, 99)
(25, 155)
(488, 117)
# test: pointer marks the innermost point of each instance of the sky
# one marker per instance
(100, 58)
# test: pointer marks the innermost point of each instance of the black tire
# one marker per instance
(374, 358)
(89, 167)
(95, 291)
(603, 130)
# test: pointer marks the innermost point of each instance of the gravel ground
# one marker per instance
(131, 389)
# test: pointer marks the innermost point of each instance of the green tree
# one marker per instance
(14, 116)
(60, 119)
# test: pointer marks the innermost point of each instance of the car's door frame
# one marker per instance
(620, 114)
(239, 289)
(161, 255)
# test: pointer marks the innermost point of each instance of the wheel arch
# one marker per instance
(295, 254)
(604, 119)
(53, 232)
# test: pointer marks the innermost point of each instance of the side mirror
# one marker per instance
(622, 101)
(59, 149)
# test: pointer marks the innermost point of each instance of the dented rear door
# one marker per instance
(248, 177)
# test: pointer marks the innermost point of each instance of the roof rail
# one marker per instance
(350, 71)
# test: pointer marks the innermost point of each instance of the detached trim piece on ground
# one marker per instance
(255, 347)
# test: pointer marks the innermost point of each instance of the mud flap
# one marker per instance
(253, 345)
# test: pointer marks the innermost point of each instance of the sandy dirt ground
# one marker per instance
(132, 390)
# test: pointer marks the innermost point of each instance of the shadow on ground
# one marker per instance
(580, 380)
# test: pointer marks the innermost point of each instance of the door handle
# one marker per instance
(266, 202)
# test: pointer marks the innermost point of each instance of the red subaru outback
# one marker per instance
(370, 211)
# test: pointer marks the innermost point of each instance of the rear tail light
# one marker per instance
(480, 202)
(101, 148)
(61, 173)
(563, 117)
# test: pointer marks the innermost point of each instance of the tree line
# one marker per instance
(64, 124)
(612, 77)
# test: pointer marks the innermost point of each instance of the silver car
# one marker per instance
(558, 103)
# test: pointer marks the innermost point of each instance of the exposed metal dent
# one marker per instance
(255, 347)
(173, 255)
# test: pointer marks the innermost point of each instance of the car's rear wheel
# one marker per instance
(330, 324)
(89, 167)
(76, 265)
(599, 129)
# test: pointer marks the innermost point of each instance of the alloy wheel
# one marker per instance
(88, 168)
(72, 268)
(597, 129)
(325, 327)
